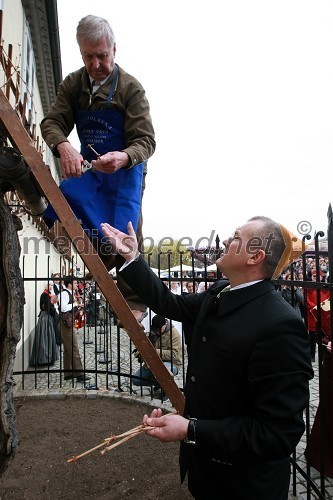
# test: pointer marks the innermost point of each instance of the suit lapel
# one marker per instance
(230, 301)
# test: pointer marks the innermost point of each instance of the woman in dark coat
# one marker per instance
(45, 350)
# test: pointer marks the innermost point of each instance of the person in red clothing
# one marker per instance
(311, 301)
(319, 451)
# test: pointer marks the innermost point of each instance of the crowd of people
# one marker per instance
(305, 299)
(66, 304)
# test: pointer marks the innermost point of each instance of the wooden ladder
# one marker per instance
(21, 140)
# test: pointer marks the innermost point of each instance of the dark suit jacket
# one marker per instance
(247, 384)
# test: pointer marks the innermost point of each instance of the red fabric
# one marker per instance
(80, 321)
(319, 452)
(310, 303)
(325, 317)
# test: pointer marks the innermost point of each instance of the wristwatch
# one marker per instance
(191, 438)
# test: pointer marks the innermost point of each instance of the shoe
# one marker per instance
(68, 377)
(139, 316)
(82, 378)
(159, 394)
(164, 396)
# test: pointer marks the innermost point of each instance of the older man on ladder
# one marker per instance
(112, 118)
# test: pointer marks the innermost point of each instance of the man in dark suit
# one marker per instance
(248, 368)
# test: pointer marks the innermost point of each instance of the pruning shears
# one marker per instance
(86, 165)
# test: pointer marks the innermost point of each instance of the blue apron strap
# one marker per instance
(114, 82)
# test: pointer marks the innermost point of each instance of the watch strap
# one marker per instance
(191, 436)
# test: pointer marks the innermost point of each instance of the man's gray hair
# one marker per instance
(93, 29)
(273, 243)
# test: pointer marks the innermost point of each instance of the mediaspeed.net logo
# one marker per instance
(294, 246)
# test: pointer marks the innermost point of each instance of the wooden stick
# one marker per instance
(129, 436)
(74, 459)
(114, 445)
(125, 435)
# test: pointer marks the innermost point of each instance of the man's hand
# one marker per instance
(111, 162)
(124, 244)
(70, 159)
(169, 427)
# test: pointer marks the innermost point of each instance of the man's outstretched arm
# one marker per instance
(145, 283)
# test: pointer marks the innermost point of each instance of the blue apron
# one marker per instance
(97, 197)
